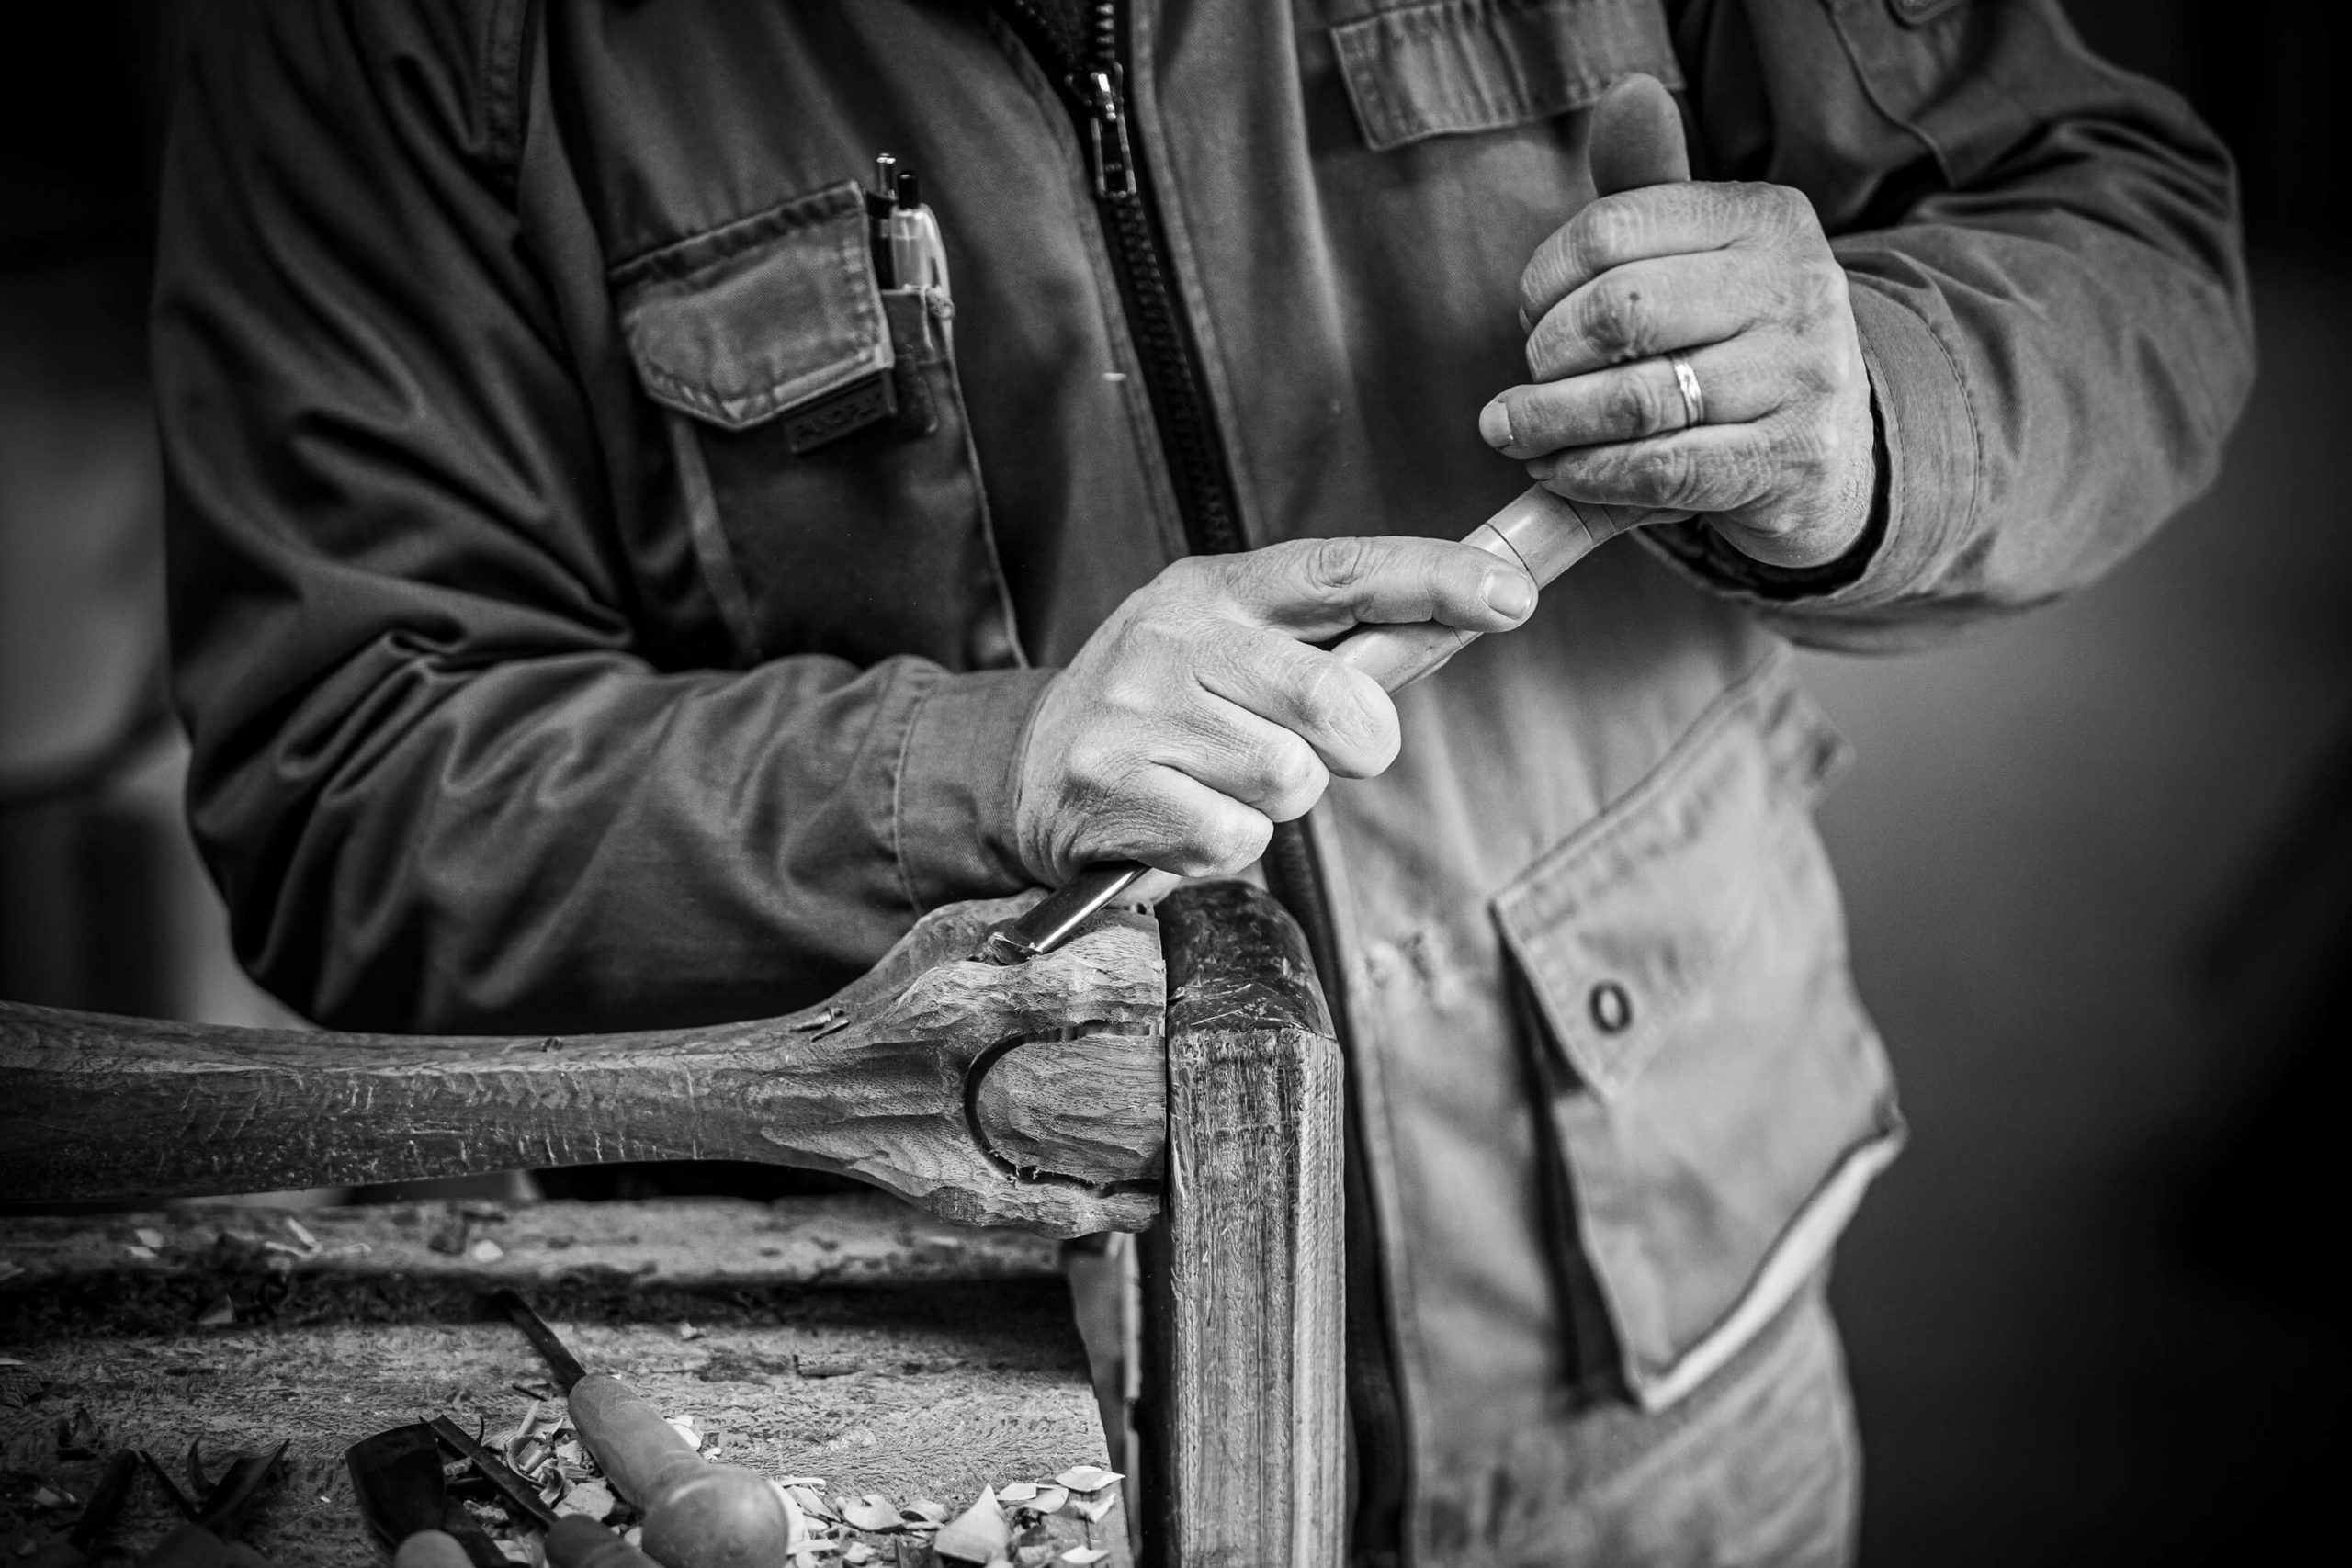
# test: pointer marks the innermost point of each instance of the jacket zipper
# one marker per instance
(1094, 85)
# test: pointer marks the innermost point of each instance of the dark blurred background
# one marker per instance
(2098, 864)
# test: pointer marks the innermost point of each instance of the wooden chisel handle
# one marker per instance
(574, 1542)
(431, 1549)
(697, 1515)
(1540, 532)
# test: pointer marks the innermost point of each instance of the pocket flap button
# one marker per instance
(1611, 1007)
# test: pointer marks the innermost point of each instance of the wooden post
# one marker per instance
(1242, 1407)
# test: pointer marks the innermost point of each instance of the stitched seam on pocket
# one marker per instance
(1485, 83)
(708, 536)
(859, 345)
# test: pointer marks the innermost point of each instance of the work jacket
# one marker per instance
(599, 603)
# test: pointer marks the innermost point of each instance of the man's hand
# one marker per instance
(1198, 715)
(1739, 280)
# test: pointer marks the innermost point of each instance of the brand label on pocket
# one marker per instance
(836, 414)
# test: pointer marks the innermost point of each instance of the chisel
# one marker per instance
(697, 1515)
(1540, 532)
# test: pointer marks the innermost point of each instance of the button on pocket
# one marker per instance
(1611, 1007)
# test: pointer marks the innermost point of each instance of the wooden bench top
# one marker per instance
(850, 1339)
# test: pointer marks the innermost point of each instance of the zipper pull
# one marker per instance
(1106, 122)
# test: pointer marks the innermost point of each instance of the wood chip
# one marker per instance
(592, 1499)
(858, 1553)
(1087, 1477)
(1084, 1554)
(485, 1251)
(1019, 1492)
(1051, 1499)
(810, 1502)
(925, 1509)
(872, 1512)
(220, 1315)
(141, 1251)
(149, 1236)
(1095, 1508)
(687, 1330)
(301, 1233)
(979, 1534)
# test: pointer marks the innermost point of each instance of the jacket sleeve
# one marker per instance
(2044, 264)
(444, 775)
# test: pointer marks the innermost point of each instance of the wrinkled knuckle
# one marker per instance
(1335, 566)
(1540, 280)
(1639, 405)
(1675, 477)
(1326, 699)
(1596, 236)
(1281, 769)
(1622, 319)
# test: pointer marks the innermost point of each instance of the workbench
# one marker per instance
(851, 1338)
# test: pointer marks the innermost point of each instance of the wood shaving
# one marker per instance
(150, 1237)
(1084, 1554)
(1050, 1499)
(485, 1251)
(301, 1233)
(979, 1534)
(871, 1512)
(1095, 1508)
(1019, 1492)
(1087, 1477)
(592, 1499)
(137, 1251)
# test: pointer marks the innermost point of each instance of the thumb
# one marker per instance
(1636, 138)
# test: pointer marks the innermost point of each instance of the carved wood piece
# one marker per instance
(877, 1083)
(1242, 1281)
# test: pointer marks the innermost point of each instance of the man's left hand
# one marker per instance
(1739, 280)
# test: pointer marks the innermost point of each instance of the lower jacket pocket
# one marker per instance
(1717, 1094)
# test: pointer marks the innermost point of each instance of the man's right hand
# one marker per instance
(1199, 714)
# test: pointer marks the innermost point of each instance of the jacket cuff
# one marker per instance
(958, 774)
(1926, 493)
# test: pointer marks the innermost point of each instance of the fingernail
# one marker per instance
(1494, 423)
(1508, 594)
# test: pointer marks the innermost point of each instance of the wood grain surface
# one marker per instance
(1243, 1287)
(893, 1080)
(849, 1338)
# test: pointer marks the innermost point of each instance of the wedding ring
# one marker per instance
(1694, 401)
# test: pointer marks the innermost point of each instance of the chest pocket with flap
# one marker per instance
(824, 462)
(1453, 67)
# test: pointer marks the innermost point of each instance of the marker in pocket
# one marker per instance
(918, 255)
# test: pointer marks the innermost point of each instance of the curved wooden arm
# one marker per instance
(1032, 1096)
